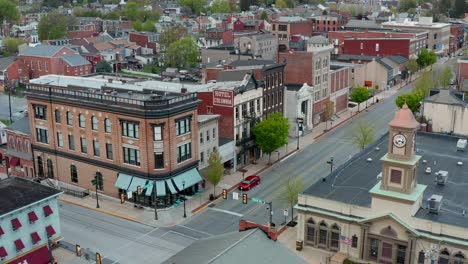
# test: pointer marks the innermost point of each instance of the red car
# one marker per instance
(249, 182)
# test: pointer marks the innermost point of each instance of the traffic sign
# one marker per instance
(285, 212)
(93, 182)
(235, 195)
(256, 200)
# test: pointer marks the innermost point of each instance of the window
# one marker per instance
(421, 257)
(130, 129)
(387, 250)
(28, 146)
(237, 111)
(202, 157)
(311, 230)
(40, 167)
(39, 66)
(58, 116)
(81, 120)
(283, 27)
(183, 126)
(207, 136)
(362, 45)
(94, 123)
(71, 142)
(73, 174)
(335, 237)
(374, 248)
(42, 135)
(323, 234)
(201, 137)
(40, 112)
(109, 151)
(69, 118)
(354, 241)
(32, 65)
(99, 181)
(107, 125)
(158, 160)
(377, 46)
(68, 68)
(84, 145)
(184, 152)
(50, 169)
(157, 131)
(459, 258)
(435, 35)
(59, 139)
(131, 156)
(401, 254)
(12, 143)
(20, 146)
(96, 149)
(46, 66)
(395, 176)
(214, 133)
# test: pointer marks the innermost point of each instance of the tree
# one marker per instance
(54, 25)
(424, 84)
(103, 66)
(271, 133)
(171, 35)
(362, 135)
(405, 5)
(8, 11)
(360, 95)
(137, 26)
(148, 26)
(412, 66)
(445, 77)
(329, 112)
(412, 99)
(194, 5)
(281, 4)
(264, 16)
(182, 53)
(215, 169)
(220, 6)
(460, 7)
(426, 58)
(232, 4)
(132, 11)
(11, 45)
(289, 193)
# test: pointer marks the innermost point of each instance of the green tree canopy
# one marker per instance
(271, 133)
(460, 8)
(281, 4)
(215, 169)
(137, 26)
(8, 11)
(424, 84)
(359, 95)
(405, 5)
(54, 25)
(103, 66)
(412, 65)
(182, 53)
(220, 6)
(289, 193)
(171, 35)
(195, 5)
(264, 16)
(362, 135)
(412, 99)
(11, 45)
(445, 76)
(244, 5)
(148, 26)
(426, 58)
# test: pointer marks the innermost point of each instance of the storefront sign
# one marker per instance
(223, 98)
(368, 83)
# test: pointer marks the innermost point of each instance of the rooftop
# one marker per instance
(16, 193)
(449, 97)
(205, 118)
(407, 23)
(289, 19)
(41, 50)
(76, 60)
(351, 182)
(20, 125)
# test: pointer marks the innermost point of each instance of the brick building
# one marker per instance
(248, 25)
(462, 74)
(285, 27)
(123, 135)
(327, 23)
(145, 39)
(457, 36)
(217, 36)
(378, 43)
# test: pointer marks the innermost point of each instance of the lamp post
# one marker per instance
(96, 179)
(300, 121)
(243, 173)
(155, 201)
(331, 164)
(183, 187)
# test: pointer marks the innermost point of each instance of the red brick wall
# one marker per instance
(139, 39)
(299, 67)
(228, 37)
(226, 121)
(342, 103)
(26, 164)
(301, 28)
(462, 72)
(211, 74)
(387, 47)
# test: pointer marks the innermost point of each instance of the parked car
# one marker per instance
(249, 182)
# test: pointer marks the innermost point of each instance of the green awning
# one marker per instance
(123, 181)
(135, 183)
(171, 187)
(161, 188)
(191, 177)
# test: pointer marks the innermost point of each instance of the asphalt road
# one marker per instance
(17, 104)
(121, 240)
(309, 164)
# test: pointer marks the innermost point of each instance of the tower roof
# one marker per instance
(404, 118)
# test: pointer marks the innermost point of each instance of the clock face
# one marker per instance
(399, 141)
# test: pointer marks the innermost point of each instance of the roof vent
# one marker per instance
(460, 163)
(424, 161)
(441, 177)
(461, 144)
(369, 159)
(377, 148)
(434, 202)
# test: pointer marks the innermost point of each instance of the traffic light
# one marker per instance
(98, 258)
(139, 190)
(122, 198)
(225, 194)
(244, 198)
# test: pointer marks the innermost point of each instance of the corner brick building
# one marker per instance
(125, 136)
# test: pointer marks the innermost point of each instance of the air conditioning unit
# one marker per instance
(434, 202)
(441, 177)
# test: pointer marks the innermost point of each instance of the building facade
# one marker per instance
(286, 27)
(261, 46)
(208, 138)
(123, 138)
(28, 226)
(328, 23)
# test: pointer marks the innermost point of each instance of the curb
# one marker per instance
(101, 211)
(205, 205)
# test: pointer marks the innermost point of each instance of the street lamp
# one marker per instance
(183, 187)
(300, 121)
(96, 181)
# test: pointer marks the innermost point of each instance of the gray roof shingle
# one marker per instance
(75, 60)
(21, 125)
(41, 51)
(5, 62)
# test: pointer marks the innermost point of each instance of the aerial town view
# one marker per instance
(234, 131)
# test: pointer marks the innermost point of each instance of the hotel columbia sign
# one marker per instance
(223, 98)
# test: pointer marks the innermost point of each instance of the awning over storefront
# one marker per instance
(14, 162)
(227, 151)
(171, 187)
(123, 181)
(191, 177)
(135, 183)
(37, 255)
(160, 188)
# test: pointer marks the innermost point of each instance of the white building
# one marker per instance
(209, 139)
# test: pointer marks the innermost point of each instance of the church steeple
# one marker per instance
(399, 164)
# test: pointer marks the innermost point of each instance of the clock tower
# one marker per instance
(399, 164)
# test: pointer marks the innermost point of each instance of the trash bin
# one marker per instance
(211, 197)
(299, 244)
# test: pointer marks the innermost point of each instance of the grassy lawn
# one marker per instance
(5, 121)
(151, 68)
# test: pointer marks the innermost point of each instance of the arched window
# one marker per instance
(12, 143)
(107, 125)
(323, 232)
(335, 237)
(458, 258)
(58, 116)
(69, 118)
(444, 257)
(94, 123)
(354, 241)
(40, 167)
(50, 169)
(81, 120)
(421, 257)
(73, 174)
(20, 146)
(311, 230)
(99, 181)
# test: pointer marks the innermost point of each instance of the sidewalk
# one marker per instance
(174, 215)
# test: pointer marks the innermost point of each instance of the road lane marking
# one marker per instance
(288, 157)
(227, 212)
(196, 230)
